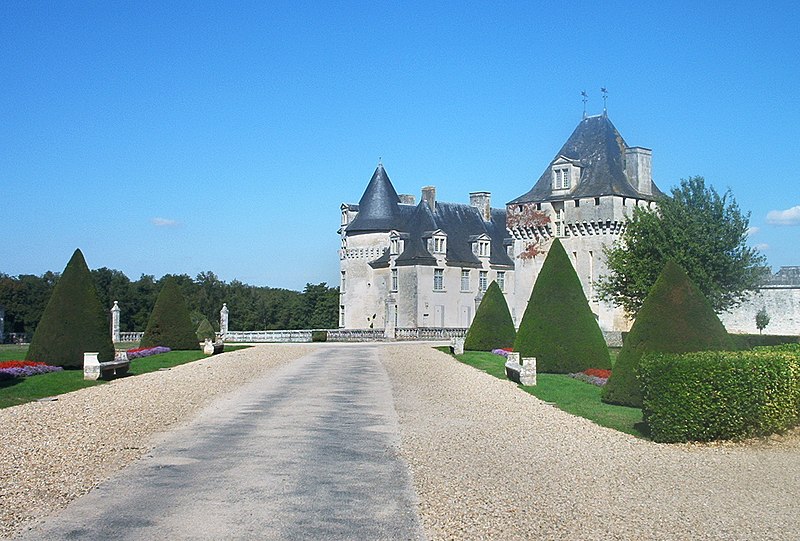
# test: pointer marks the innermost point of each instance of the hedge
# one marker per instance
(170, 324)
(492, 327)
(713, 395)
(749, 341)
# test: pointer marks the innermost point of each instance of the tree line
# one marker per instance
(251, 307)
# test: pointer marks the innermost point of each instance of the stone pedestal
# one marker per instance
(115, 323)
(457, 346)
(223, 320)
(525, 373)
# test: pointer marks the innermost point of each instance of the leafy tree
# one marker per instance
(73, 321)
(762, 319)
(492, 327)
(170, 324)
(675, 318)
(558, 327)
(701, 231)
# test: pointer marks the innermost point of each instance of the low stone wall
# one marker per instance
(781, 303)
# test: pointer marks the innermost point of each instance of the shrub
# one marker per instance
(750, 341)
(205, 331)
(73, 322)
(492, 327)
(170, 324)
(675, 318)
(558, 327)
(712, 395)
(319, 336)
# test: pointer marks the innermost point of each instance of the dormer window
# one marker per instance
(344, 217)
(482, 248)
(562, 179)
(439, 245)
(395, 243)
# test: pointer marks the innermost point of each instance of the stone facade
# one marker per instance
(427, 265)
(779, 296)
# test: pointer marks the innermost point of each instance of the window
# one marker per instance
(561, 179)
(483, 248)
(483, 280)
(394, 279)
(464, 280)
(341, 315)
(596, 201)
(577, 203)
(501, 280)
(342, 288)
(344, 217)
(394, 246)
(438, 245)
(559, 222)
(438, 279)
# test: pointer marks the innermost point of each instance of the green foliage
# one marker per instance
(762, 319)
(703, 232)
(24, 298)
(319, 336)
(492, 327)
(713, 395)
(558, 327)
(675, 318)
(750, 341)
(170, 324)
(205, 331)
(73, 322)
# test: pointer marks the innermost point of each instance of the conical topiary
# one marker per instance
(675, 318)
(73, 322)
(205, 330)
(492, 327)
(558, 327)
(170, 324)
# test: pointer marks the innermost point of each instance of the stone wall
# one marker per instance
(782, 305)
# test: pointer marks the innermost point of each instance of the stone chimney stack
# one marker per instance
(429, 196)
(407, 199)
(637, 168)
(483, 202)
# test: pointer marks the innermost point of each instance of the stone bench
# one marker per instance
(525, 373)
(94, 369)
(212, 348)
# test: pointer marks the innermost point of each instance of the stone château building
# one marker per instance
(415, 265)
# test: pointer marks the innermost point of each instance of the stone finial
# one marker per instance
(223, 320)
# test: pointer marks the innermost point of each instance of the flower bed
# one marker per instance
(595, 376)
(137, 353)
(22, 369)
(502, 352)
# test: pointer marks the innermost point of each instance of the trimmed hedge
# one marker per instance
(713, 395)
(558, 327)
(319, 336)
(675, 318)
(205, 331)
(749, 341)
(170, 324)
(73, 322)
(492, 327)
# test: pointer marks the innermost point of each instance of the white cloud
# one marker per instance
(163, 222)
(752, 231)
(761, 247)
(784, 217)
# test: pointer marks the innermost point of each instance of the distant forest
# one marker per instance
(251, 308)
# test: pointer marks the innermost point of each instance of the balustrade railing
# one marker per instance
(130, 336)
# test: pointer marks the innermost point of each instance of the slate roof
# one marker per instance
(379, 207)
(599, 149)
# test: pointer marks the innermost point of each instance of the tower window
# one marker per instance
(501, 280)
(394, 279)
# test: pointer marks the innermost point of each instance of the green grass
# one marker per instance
(568, 394)
(20, 390)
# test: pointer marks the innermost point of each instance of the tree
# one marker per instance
(558, 327)
(701, 231)
(170, 324)
(675, 318)
(73, 322)
(492, 327)
(762, 319)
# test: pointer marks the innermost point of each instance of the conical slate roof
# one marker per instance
(379, 207)
(599, 149)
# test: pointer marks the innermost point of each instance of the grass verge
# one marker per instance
(20, 390)
(568, 394)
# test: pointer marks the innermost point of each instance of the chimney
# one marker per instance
(429, 196)
(483, 202)
(407, 199)
(637, 169)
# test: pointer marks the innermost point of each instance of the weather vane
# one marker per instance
(605, 97)
(585, 99)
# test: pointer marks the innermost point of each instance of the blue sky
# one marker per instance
(172, 137)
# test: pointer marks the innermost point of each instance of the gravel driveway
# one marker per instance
(490, 461)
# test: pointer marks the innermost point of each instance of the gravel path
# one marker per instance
(53, 452)
(492, 462)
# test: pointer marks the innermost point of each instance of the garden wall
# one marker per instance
(782, 305)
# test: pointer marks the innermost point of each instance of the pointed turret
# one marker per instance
(378, 209)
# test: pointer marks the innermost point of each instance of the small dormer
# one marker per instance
(396, 242)
(565, 174)
(437, 242)
(481, 245)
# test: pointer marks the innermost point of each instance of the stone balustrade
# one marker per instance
(130, 336)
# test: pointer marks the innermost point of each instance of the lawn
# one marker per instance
(566, 393)
(20, 390)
